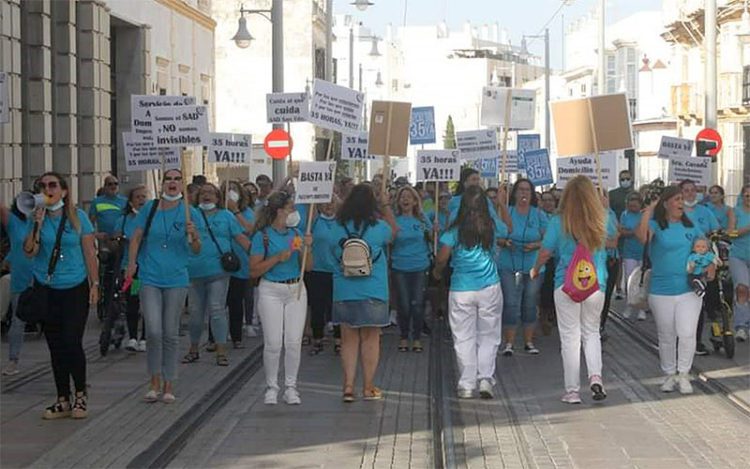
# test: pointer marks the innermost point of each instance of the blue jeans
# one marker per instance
(15, 333)
(208, 294)
(410, 297)
(519, 301)
(161, 309)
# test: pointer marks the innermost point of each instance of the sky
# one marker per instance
(519, 17)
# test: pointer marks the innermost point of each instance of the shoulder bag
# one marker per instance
(229, 260)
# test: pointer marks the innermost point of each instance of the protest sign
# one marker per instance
(140, 111)
(336, 107)
(538, 168)
(438, 165)
(230, 148)
(4, 97)
(400, 168)
(315, 182)
(140, 156)
(354, 147)
(422, 127)
(490, 167)
(567, 168)
(477, 144)
(590, 125)
(287, 107)
(675, 147)
(180, 126)
(522, 107)
(526, 142)
(398, 116)
(697, 170)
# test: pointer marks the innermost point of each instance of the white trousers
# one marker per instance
(579, 323)
(283, 317)
(476, 322)
(628, 266)
(676, 322)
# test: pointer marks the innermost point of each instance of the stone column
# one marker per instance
(11, 161)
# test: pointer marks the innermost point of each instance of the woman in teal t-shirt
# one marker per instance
(739, 262)
(476, 298)
(717, 206)
(632, 248)
(675, 306)
(137, 197)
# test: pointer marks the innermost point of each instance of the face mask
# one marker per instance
(625, 184)
(690, 204)
(233, 196)
(56, 206)
(327, 217)
(171, 198)
(207, 207)
(293, 219)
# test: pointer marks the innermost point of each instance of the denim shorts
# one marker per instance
(361, 313)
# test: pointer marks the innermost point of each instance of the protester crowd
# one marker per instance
(503, 264)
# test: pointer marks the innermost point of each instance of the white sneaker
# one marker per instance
(291, 396)
(11, 369)
(626, 313)
(741, 335)
(131, 345)
(641, 315)
(250, 331)
(329, 328)
(669, 384)
(464, 393)
(486, 390)
(271, 397)
(507, 350)
(141, 346)
(684, 381)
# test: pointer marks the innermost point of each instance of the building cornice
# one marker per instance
(189, 12)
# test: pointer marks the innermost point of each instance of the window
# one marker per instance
(611, 74)
(746, 86)
(633, 108)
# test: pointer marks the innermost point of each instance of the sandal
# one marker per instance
(60, 409)
(403, 345)
(306, 340)
(348, 394)
(79, 406)
(191, 357)
(316, 349)
(417, 347)
(151, 396)
(222, 359)
(373, 394)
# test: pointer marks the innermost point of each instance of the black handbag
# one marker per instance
(33, 303)
(229, 260)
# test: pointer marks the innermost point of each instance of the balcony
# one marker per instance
(687, 101)
(730, 99)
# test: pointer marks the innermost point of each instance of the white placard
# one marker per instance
(567, 168)
(491, 167)
(522, 110)
(141, 156)
(477, 144)
(228, 148)
(287, 107)
(180, 126)
(696, 169)
(354, 147)
(315, 182)
(400, 168)
(4, 97)
(673, 147)
(140, 110)
(438, 165)
(336, 107)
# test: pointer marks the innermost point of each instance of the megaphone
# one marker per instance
(27, 202)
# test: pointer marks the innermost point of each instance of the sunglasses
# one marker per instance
(48, 185)
(173, 179)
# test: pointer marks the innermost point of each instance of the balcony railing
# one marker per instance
(730, 90)
(687, 101)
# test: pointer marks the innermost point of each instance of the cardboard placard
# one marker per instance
(522, 110)
(141, 156)
(577, 122)
(4, 97)
(336, 107)
(422, 127)
(696, 169)
(354, 147)
(567, 168)
(230, 148)
(673, 147)
(287, 107)
(315, 182)
(180, 126)
(477, 144)
(538, 169)
(438, 165)
(399, 118)
(526, 142)
(140, 111)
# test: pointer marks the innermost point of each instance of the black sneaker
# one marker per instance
(701, 349)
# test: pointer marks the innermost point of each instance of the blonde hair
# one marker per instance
(582, 213)
(417, 208)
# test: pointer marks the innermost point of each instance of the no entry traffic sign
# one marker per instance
(709, 135)
(278, 144)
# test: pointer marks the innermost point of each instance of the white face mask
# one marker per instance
(233, 196)
(690, 204)
(293, 219)
(625, 184)
(206, 207)
(327, 217)
(56, 206)
(171, 198)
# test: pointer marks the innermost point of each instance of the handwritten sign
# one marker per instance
(477, 144)
(230, 148)
(141, 156)
(4, 105)
(180, 126)
(336, 107)
(354, 147)
(538, 168)
(696, 169)
(287, 107)
(315, 182)
(438, 165)
(672, 147)
(140, 111)
(567, 168)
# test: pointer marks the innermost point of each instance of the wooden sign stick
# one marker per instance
(437, 219)
(597, 161)
(185, 200)
(387, 157)
(506, 127)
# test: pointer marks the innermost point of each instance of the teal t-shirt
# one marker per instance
(612, 232)
(207, 263)
(631, 247)
(563, 246)
(741, 246)
(70, 270)
(721, 213)
(442, 219)
(473, 269)
(703, 218)
(289, 238)
(669, 251)
(501, 230)
(128, 228)
(164, 254)
(242, 255)
(527, 228)
(20, 264)
(108, 212)
(411, 249)
(324, 242)
(374, 287)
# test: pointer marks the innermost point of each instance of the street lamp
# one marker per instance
(378, 80)
(243, 38)
(362, 5)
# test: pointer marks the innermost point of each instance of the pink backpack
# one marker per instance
(580, 277)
